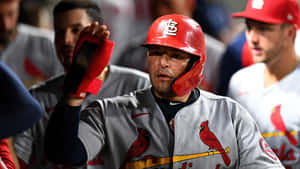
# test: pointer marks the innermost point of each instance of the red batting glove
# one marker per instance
(91, 56)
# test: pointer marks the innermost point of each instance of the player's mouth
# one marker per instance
(67, 52)
(256, 51)
(164, 76)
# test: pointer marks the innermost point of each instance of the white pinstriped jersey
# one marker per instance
(214, 132)
(275, 109)
(31, 55)
(29, 145)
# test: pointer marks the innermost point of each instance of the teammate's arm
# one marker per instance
(19, 110)
(62, 144)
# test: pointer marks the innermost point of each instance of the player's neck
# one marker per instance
(182, 99)
(274, 72)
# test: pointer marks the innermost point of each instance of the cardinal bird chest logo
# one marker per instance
(210, 139)
(278, 122)
(171, 28)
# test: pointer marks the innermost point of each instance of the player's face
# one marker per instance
(266, 41)
(68, 26)
(9, 12)
(165, 65)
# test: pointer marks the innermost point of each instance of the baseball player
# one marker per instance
(237, 56)
(135, 55)
(69, 19)
(172, 124)
(26, 50)
(269, 88)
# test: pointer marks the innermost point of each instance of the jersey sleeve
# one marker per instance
(91, 130)
(62, 145)
(254, 151)
(23, 144)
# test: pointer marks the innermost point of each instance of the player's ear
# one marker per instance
(291, 31)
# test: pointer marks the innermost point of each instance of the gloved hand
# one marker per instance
(91, 55)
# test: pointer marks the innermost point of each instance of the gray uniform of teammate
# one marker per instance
(197, 141)
(29, 145)
(31, 55)
(275, 109)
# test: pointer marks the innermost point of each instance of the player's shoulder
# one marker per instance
(249, 73)
(217, 102)
(128, 72)
(53, 84)
(214, 101)
(36, 32)
(211, 97)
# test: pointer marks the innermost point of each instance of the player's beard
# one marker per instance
(272, 55)
(165, 93)
(164, 90)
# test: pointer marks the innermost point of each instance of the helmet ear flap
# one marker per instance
(190, 79)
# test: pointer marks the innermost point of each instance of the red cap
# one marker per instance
(272, 11)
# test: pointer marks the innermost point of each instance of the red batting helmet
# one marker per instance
(185, 34)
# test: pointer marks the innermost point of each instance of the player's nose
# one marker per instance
(69, 38)
(164, 60)
(253, 35)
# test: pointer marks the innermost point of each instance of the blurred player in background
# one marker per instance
(25, 49)
(269, 89)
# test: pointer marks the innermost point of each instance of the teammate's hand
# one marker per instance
(91, 55)
(99, 31)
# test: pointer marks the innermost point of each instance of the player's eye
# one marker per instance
(176, 56)
(155, 53)
(248, 27)
(76, 30)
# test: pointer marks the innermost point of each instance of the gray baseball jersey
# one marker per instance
(213, 132)
(31, 56)
(275, 109)
(29, 145)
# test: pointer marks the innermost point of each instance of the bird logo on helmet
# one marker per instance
(185, 34)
